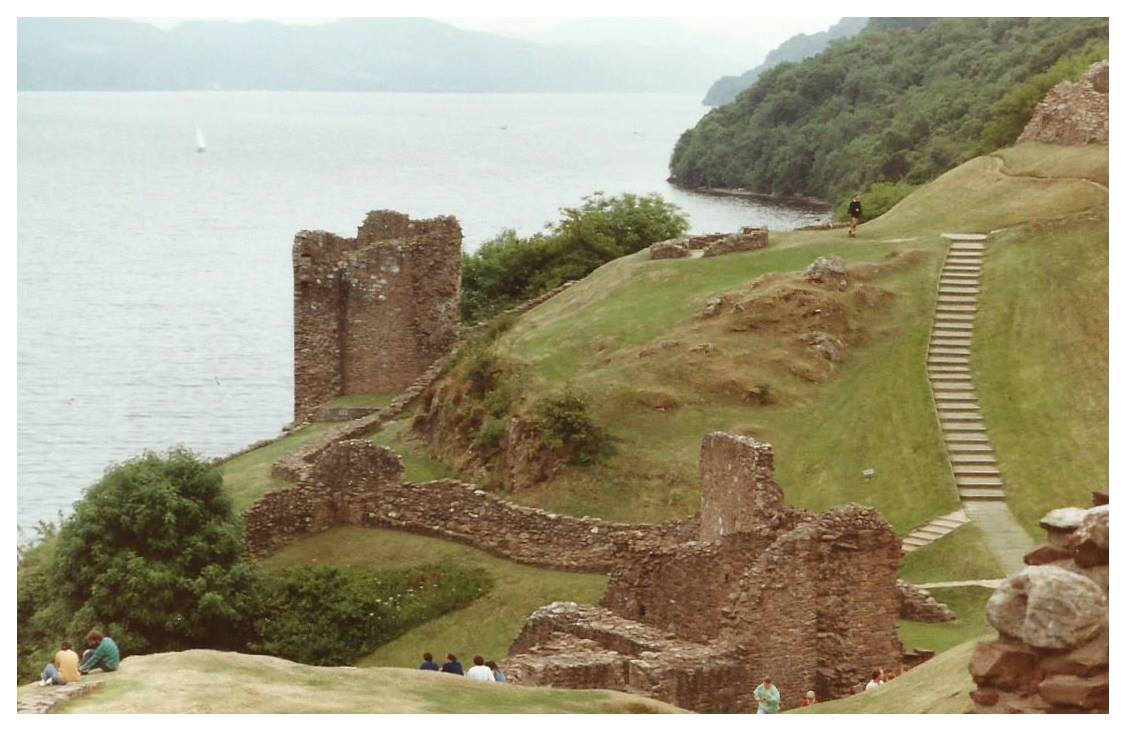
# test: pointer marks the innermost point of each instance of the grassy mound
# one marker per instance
(486, 627)
(941, 685)
(205, 681)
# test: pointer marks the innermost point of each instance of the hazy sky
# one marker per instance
(764, 32)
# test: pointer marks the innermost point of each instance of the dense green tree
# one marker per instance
(903, 101)
(510, 269)
(153, 554)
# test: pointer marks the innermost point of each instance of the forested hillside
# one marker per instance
(904, 100)
(792, 50)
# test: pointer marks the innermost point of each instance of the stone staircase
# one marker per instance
(972, 460)
(948, 367)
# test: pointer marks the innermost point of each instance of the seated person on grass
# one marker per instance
(63, 670)
(103, 654)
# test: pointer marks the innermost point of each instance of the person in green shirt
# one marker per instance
(104, 654)
(768, 697)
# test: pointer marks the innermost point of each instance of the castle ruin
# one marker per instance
(372, 313)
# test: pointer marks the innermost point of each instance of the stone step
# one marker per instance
(978, 481)
(951, 427)
(940, 360)
(981, 494)
(954, 316)
(951, 342)
(944, 307)
(941, 388)
(968, 244)
(910, 543)
(954, 396)
(948, 369)
(928, 534)
(945, 298)
(979, 458)
(950, 350)
(977, 469)
(950, 377)
(955, 405)
(968, 417)
(963, 449)
(958, 275)
(948, 523)
(952, 333)
(948, 290)
(963, 437)
(964, 236)
(971, 267)
(959, 253)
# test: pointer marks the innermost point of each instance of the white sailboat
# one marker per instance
(200, 143)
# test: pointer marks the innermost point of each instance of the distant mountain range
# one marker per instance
(798, 48)
(363, 54)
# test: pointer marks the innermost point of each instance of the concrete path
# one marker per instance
(972, 460)
(987, 583)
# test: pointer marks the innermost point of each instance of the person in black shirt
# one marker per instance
(854, 213)
(452, 666)
(428, 662)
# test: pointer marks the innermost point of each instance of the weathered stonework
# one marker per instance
(1052, 654)
(1074, 113)
(919, 606)
(373, 312)
(749, 238)
(809, 599)
(356, 482)
(670, 249)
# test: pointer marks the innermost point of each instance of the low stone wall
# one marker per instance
(46, 700)
(918, 605)
(1074, 113)
(568, 645)
(670, 249)
(748, 239)
(356, 482)
(1052, 654)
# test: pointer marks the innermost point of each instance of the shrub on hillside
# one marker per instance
(510, 269)
(329, 616)
(566, 424)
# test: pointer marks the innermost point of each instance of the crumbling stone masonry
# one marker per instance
(749, 238)
(1074, 113)
(372, 313)
(1052, 653)
(767, 589)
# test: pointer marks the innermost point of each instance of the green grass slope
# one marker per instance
(206, 681)
(941, 685)
(486, 627)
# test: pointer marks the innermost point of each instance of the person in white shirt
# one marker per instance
(480, 672)
(876, 681)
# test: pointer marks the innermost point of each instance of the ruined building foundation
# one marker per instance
(372, 313)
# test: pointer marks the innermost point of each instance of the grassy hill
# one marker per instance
(941, 685)
(206, 681)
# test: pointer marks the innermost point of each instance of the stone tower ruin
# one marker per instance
(372, 313)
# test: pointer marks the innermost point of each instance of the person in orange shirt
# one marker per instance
(64, 669)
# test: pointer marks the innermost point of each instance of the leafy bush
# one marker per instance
(331, 616)
(900, 102)
(510, 269)
(566, 424)
(489, 436)
(877, 200)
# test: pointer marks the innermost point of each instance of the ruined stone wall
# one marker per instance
(356, 482)
(372, 313)
(1052, 653)
(811, 600)
(1074, 113)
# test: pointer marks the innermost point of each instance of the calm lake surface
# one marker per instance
(154, 283)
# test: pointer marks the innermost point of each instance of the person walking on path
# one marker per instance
(855, 211)
(64, 669)
(498, 676)
(428, 662)
(480, 671)
(103, 654)
(452, 665)
(768, 697)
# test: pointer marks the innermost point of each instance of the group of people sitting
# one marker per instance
(487, 672)
(101, 654)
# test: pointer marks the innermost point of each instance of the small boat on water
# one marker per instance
(200, 143)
